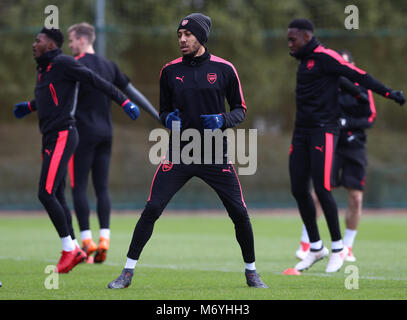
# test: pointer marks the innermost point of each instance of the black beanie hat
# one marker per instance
(198, 24)
(302, 24)
(54, 34)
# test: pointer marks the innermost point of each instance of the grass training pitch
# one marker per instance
(196, 257)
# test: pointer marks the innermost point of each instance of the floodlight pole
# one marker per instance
(100, 7)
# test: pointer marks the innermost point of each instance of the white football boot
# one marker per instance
(336, 260)
(350, 257)
(302, 251)
(311, 258)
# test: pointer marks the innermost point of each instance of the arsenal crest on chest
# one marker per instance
(212, 77)
(310, 64)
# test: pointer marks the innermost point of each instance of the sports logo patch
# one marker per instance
(167, 165)
(184, 22)
(321, 148)
(212, 77)
(310, 64)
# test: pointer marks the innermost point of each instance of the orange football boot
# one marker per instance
(101, 252)
(89, 246)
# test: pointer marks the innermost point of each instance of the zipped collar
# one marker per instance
(307, 49)
(44, 60)
(193, 61)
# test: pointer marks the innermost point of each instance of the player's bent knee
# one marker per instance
(322, 192)
(44, 196)
(152, 211)
(357, 197)
(239, 215)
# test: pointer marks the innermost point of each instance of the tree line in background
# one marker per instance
(141, 38)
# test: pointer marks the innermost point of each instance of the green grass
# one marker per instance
(196, 257)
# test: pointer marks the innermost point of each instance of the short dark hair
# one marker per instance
(301, 24)
(55, 35)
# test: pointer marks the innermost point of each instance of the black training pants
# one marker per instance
(311, 157)
(169, 178)
(92, 154)
(57, 149)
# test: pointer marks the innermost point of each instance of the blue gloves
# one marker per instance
(210, 121)
(173, 116)
(131, 109)
(21, 109)
(213, 121)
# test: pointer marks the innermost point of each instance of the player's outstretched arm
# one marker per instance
(335, 64)
(78, 72)
(141, 101)
(356, 91)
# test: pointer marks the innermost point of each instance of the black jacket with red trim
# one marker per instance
(318, 76)
(198, 86)
(359, 116)
(56, 90)
(93, 112)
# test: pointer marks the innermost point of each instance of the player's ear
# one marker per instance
(51, 45)
(308, 35)
(83, 41)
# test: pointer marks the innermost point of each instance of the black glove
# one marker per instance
(363, 97)
(397, 96)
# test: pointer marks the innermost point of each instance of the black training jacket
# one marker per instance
(359, 116)
(93, 114)
(318, 76)
(198, 86)
(56, 90)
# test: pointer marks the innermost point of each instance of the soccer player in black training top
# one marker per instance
(316, 134)
(58, 78)
(350, 159)
(193, 89)
(94, 123)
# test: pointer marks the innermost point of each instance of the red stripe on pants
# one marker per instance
(329, 148)
(152, 183)
(71, 171)
(56, 159)
(240, 187)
